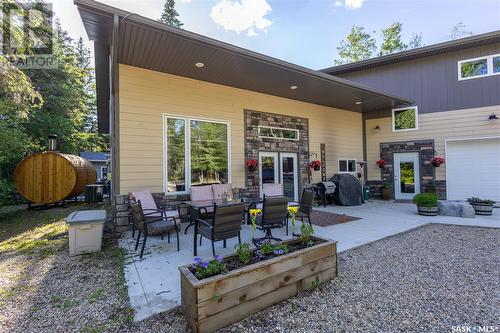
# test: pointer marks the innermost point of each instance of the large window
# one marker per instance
(196, 153)
(405, 119)
(347, 165)
(479, 67)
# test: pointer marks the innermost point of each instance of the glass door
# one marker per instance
(406, 175)
(268, 168)
(288, 175)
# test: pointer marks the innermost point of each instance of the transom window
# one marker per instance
(405, 119)
(196, 153)
(270, 132)
(479, 67)
(347, 165)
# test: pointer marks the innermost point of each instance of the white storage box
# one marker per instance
(85, 231)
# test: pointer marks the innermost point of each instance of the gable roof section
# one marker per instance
(93, 156)
(425, 51)
(149, 44)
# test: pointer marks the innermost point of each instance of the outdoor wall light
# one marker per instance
(376, 129)
(492, 116)
(199, 65)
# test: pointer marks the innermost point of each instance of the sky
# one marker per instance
(306, 33)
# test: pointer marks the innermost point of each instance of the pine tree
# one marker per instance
(170, 15)
(415, 41)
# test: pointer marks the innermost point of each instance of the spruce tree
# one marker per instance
(170, 15)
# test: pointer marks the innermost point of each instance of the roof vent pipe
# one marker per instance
(52, 143)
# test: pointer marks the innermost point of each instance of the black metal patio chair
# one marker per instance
(221, 224)
(274, 216)
(148, 226)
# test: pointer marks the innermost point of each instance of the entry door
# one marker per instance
(288, 175)
(406, 175)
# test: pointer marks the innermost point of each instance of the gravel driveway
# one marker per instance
(425, 280)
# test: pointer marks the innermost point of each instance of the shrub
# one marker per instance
(479, 201)
(244, 252)
(426, 200)
(7, 191)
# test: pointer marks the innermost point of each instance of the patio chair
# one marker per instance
(159, 225)
(225, 223)
(154, 208)
(274, 216)
(305, 206)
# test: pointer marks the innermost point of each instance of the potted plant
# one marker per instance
(252, 165)
(386, 191)
(437, 161)
(481, 206)
(427, 204)
(315, 165)
(381, 163)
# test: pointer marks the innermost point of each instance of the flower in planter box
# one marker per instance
(437, 161)
(251, 164)
(381, 163)
(315, 165)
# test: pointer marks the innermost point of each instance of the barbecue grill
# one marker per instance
(325, 191)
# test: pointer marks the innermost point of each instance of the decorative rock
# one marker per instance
(455, 208)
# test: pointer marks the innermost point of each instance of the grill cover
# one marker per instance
(349, 192)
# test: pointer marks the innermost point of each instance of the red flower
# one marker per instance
(251, 163)
(381, 163)
(315, 164)
(437, 161)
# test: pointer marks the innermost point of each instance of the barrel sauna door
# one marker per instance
(50, 177)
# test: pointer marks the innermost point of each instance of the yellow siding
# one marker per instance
(146, 95)
(440, 126)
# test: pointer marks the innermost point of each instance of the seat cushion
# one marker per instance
(204, 192)
(147, 202)
(174, 214)
(271, 190)
(160, 227)
(219, 189)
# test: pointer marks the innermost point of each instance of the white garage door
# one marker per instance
(473, 169)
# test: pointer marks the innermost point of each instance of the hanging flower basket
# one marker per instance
(437, 161)
(381, 163)
(315, 165)
(252, 165)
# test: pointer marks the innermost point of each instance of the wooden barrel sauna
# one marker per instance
(51, 176)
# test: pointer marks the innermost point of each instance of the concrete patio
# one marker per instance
(153, 282)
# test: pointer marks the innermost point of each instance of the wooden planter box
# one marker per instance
(221, 300)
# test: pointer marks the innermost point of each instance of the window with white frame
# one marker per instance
(196, 152)
(347, 165)
(405, 119)
(479, 67)
(104, 172)
(270, 132)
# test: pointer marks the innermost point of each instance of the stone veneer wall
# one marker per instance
(425, 148)
(254, 144)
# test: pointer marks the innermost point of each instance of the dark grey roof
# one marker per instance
(156, 46)
(425, 51)
(93, 156)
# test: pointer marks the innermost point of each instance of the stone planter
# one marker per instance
(386, 193)
(427, 211)
(221, 300)
(482, 209)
